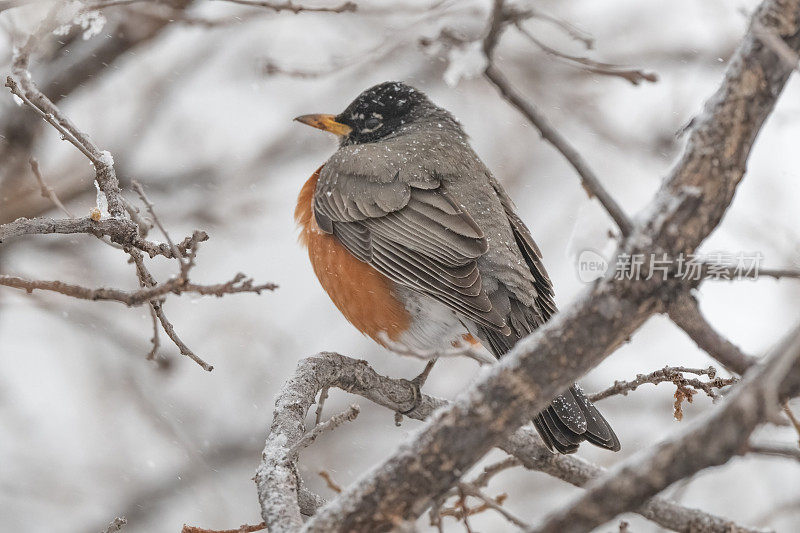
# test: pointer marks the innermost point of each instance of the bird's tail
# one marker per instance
(570, 419)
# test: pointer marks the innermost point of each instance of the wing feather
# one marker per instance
(417, 236)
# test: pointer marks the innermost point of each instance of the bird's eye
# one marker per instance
(372, 124)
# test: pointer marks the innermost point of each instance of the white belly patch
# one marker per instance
(434, 327)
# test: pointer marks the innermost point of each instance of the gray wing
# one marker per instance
(530, 251)
(411, 231)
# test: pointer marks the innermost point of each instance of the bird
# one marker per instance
(418, 245)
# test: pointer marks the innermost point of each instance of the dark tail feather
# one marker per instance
(570, 419)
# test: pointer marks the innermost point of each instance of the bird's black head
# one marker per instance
(381, 110)
(377, 112)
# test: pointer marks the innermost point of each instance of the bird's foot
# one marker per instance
(416, 385)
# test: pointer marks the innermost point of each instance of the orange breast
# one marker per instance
(363, 295)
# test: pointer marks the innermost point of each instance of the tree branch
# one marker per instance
(684, 311)
(124, 224)
(776, 450)
(294, 8)
(632, 75)
(276, 480)
(119, 230)
(589, 180)
(103, 163)
(47, 191)
(239, 283)
(711, 441)
(671, 374)
(471, 490)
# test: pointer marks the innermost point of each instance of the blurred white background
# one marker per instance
(89, 430)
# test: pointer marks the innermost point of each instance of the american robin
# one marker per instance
(418, 244)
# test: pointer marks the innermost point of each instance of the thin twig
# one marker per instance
(633, 75)
(571, 30)
(335, 487)
(776, 450)
(459, 510)
(480, 481)
(169, 329)
(793, 419)
(156, 338)
(46, 190)
(589, 179)
(672, 374)
(718, 272)
(474, 491)
(332, 423)
(241, 529)
(184, 264)
(323, 395)
(465, 511)
(290, 6)
(492, 470)
(51, 119)
(238, 284)
(144, 225)
(146, 280)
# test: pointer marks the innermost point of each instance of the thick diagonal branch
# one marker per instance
(685, 313)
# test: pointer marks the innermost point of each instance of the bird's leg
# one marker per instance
(417, 384)
(423, 376)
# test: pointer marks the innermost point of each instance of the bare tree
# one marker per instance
(432, 472)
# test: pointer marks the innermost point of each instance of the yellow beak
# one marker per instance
(325, 123)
